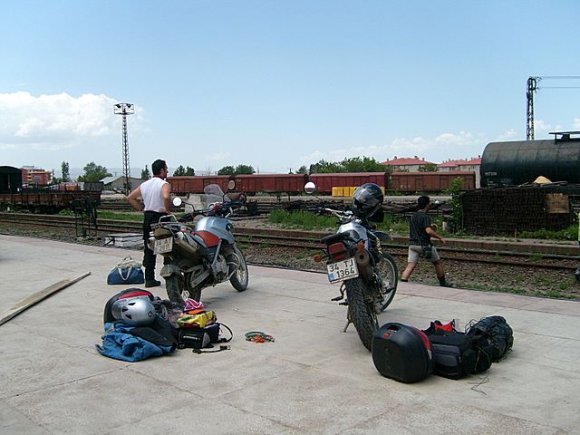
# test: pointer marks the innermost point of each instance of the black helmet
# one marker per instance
(367, 200)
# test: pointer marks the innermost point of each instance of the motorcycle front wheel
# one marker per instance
(360, 313)
(240, 278)
(389, 275)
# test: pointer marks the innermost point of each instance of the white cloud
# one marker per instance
(576, 123)
(506, 136)
(219, 157)
(54, 122)
(444, 146)
(540, 125)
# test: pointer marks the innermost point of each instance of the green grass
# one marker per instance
(310, 221)
(570, 233)
(121, 216)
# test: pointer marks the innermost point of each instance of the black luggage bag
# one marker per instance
(456, 354)
(402, 352)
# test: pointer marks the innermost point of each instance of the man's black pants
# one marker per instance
(149, 258)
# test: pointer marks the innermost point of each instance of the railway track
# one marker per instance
(528, 255)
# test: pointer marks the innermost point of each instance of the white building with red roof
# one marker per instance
(410, 164)
(472, 164)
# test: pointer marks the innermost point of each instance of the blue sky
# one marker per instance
(279, 84)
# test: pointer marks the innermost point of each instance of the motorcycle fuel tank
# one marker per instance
(219, 226)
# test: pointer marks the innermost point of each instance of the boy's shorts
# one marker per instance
(416, 251)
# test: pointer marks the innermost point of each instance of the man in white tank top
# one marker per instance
(155, 195)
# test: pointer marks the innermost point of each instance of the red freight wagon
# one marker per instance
(196, 183)
(416, 182)
(185, 185)
(325, 182)
(271, 183)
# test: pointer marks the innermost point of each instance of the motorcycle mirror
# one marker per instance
(177, 201)
(231, 184)
(309, 187)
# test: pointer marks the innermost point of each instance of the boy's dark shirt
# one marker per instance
(417, 234)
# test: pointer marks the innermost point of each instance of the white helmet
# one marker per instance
(137, 311)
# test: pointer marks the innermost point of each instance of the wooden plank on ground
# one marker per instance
(35, 298)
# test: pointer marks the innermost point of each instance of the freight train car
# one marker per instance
(429, 182)
(271, 183)
(519, 162)
(326, 182)
(196, 183)
(46, 200)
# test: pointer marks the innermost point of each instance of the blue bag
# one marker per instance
(128, 271)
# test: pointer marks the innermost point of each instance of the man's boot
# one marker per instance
(444, 283)
(150, 280)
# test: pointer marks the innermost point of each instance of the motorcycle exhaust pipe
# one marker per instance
(363, 260)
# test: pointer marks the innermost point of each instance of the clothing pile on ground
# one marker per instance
(139, 325)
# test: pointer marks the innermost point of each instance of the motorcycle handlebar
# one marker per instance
(341, 214)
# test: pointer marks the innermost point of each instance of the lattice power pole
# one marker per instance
(532, 87)
(125, 109)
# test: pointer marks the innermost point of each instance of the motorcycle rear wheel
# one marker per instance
(174, 286)
(389, 273)
(360, 313)
(240, 278)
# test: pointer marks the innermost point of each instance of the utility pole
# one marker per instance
(532, 86)
(125, 109)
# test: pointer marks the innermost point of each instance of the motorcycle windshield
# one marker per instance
(213, 193)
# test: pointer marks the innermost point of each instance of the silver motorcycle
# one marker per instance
(367, 275)
(201, 254)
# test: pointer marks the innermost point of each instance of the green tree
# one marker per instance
(455, 190)
(94, 172)
(324, 167)
(354, 164)
(226, 170)
(244, 169)
(240, 169)
(64, 168)
(145, 174)
(302, 170)
(181, 171)
(366, 164)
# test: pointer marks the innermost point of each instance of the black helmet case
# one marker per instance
(367, 200)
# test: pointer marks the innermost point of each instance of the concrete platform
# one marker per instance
(313, 379)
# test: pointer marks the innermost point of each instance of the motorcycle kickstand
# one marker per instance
(348, 322)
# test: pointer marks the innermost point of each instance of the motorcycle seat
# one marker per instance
(333, 238)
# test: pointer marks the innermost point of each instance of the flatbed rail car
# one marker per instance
(46, 201)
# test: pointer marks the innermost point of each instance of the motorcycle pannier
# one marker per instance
(402, 352)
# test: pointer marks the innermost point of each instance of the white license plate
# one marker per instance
(163, 245)
(342, 270)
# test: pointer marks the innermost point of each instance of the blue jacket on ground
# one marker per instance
(119, 343)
